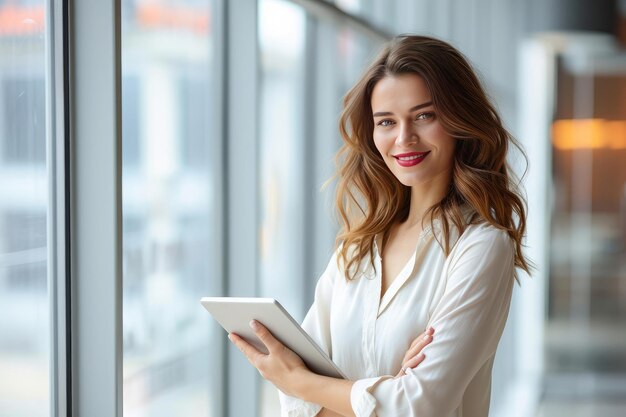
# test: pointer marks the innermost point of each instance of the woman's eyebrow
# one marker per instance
(412, 109)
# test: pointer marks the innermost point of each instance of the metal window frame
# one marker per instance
(241, 75)
(57, 136)
(95, 208)
(310, 133)
(219, 162)
(326, 11)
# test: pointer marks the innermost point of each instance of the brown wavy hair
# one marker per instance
(370, 199)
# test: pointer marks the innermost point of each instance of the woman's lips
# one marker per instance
(410, 159)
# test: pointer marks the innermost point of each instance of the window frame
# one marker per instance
(95, 208)
(58, 231)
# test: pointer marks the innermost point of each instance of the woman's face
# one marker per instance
(407, 131)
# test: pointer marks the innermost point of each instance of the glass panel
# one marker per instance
(585, 331)
(282, 165)
(588, 266)
(25, 318)
(306, 68)
(171, 350)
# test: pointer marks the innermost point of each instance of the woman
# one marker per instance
(432, 234)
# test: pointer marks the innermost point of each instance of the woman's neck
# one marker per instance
(424, 196)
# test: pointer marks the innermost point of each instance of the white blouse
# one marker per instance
(465, 297)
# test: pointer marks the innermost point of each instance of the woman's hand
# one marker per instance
(413, 355)
(281, 366)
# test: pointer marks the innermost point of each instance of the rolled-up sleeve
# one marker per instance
(317, 324)
(468, 322)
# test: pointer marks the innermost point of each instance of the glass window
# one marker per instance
(130, 122)
(25, 319)
(282, 162)
(23, 101)
(282, 151)
(171, 356)
(307, 66)
(587, 293)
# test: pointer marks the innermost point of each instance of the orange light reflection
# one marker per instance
(589, 134)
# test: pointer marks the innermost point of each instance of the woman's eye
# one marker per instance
(425, 116)
(385, 122)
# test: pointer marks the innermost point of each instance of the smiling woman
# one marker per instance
(415, 298)
(407, 135)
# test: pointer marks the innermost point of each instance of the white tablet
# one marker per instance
(234, 315)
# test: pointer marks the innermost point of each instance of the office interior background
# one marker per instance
(156, 151)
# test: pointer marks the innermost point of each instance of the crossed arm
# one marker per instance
(287, 372)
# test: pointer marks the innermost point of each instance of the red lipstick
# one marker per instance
(410, 159)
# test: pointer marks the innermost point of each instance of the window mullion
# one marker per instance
(96, 214)
(58, 227)
(242, 188)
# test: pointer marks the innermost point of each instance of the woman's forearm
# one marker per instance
(331, 393)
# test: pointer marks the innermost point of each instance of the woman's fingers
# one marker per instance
(414, 361)
(414, 355)
(417, 347)
(430, 331)
(281, 366)
(418, 344)
(411, 363)
(246, 348)
(252, 353)
(270, 342)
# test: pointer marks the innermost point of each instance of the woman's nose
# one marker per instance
(407, 135)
